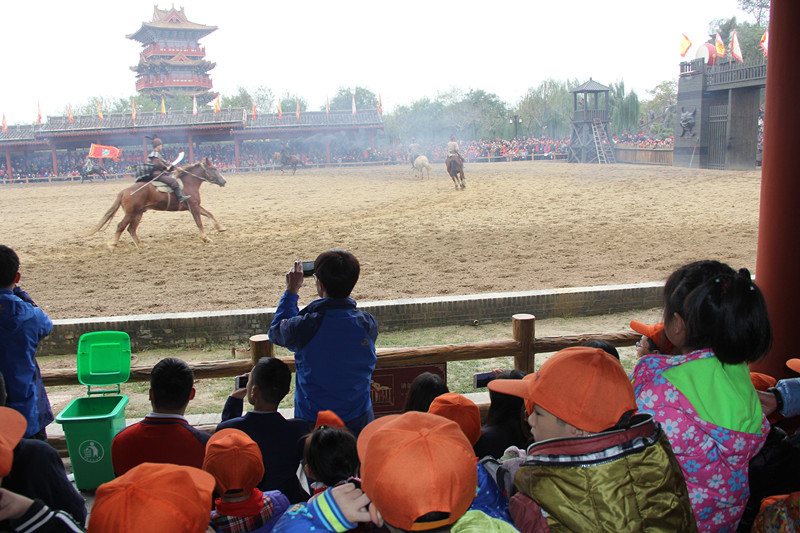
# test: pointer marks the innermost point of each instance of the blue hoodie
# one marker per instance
(22, 326)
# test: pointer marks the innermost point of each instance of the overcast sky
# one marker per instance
(56, 52)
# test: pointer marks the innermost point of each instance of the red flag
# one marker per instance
(5, 126)
(216, 104)
(280, 114)
(297, 113)
(736, 50)
(380, 105)
(764, 42)
(99, 151)
(39, 116)
(69, 114)
(685, 44)
(100, 109)
(194, 106)
(133, 110)
(254, 111)
(328, 106)
(354, 103)
(720, 46)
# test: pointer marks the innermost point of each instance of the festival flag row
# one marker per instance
(719, 45)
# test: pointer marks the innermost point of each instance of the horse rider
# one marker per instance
(414, 151)
(158, 169)
(452, 149)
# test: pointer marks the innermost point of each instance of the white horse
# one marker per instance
(420, 164)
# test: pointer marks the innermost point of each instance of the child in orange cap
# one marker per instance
(234, 460)
(418, 474)
(653, 339)
(467, 415)
(154, 497)
(591, 446)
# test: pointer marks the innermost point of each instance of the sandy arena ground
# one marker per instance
(517, 226)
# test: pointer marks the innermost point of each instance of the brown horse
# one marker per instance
(288, 161)
(135, 202)
(456, 170)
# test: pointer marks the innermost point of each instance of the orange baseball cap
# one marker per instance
(414, 464)
(794, 364)
(154, 497)
(762, 381)
(583, 386)
(12, 428)
(655, 332)
(235, 461)
(329, 418)
(460, 410)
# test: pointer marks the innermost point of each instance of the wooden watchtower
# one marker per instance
(589, 140)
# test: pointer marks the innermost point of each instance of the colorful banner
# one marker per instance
(764, 42)
(380, 105)
(685, 44)
(39, 114)
(133, 110)
(163, 109)
(100, 109)
(99, 151)
(327, 106)
(5, 126)
(720, 46)
(280, 114)
(69, 114)
(297, 113)
(216, 104)
(354, 103)
(254, 111)
(194, 106)
(736, 50)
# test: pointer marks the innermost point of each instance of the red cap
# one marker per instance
(655, 332)
(414, 464)
(794, 364)
(234, 459)
(762, 381)
(460, 410)
(585, 387)
(12, 428)
(154, 497)
(329, 418)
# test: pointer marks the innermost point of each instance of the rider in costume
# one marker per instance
(452, 149)
(158, 169)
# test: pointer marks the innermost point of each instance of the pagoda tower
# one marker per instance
(172, 61)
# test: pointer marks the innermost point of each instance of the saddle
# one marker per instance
(163, 187)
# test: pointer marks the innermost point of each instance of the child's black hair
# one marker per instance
(423, 390)
(603, 345)
(723, 310)
(338, 271)
(331, 455)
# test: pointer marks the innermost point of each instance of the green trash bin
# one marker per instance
(90, 423)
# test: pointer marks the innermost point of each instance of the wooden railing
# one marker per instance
(523, 346)
(644, 156)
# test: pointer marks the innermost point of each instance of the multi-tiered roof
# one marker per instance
(172, 62)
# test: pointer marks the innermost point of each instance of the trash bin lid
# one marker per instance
(104, 358)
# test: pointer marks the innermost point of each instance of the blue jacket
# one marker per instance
(22, 326)
(334, 347)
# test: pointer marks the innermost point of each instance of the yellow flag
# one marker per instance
(133, 112)
(163, 109)
(685, 44)
(720, 46)
(216, 104)
(100, 109)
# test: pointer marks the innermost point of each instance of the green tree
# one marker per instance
(289, 102)
(422, 120)
(624, 108)
(242, 99)
(758, 8)
(264, 99)
(547, 109)
(661, 106)
(343, 99)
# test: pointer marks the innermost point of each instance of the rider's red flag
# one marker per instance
(685, 44)
(297, 113)
(5, 126)
(194, 106)
(69, 114)
(100, 151)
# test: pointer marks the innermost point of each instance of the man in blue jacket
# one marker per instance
(22, 326)
(333, 342)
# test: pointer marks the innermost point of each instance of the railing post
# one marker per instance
(523, 329)
(260, 346)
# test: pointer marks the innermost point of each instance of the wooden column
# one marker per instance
(523, 329)
(8, 165)
(236, 151)
(55, 160)
(260, 346)
(778, 255)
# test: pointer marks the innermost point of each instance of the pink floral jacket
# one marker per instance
(714, 459)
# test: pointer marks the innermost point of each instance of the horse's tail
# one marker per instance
(107, 217)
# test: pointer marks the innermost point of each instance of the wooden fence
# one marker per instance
(644, 156)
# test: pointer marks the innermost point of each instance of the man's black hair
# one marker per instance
(272, 377)
(171, 382)
(338, 271)
(9, 265)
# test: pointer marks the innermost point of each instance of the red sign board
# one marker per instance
(390, 386)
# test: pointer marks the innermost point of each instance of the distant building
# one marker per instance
(172, 61)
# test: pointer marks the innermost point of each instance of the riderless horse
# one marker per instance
(456, 170)
(421, 163)
(285, 160)
(137, 199)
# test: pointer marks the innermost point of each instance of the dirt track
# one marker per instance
(517, 226)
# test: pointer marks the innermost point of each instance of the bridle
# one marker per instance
(201, 178)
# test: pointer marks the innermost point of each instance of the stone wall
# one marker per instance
(235, 327)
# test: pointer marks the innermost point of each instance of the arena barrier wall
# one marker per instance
(195, 329)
